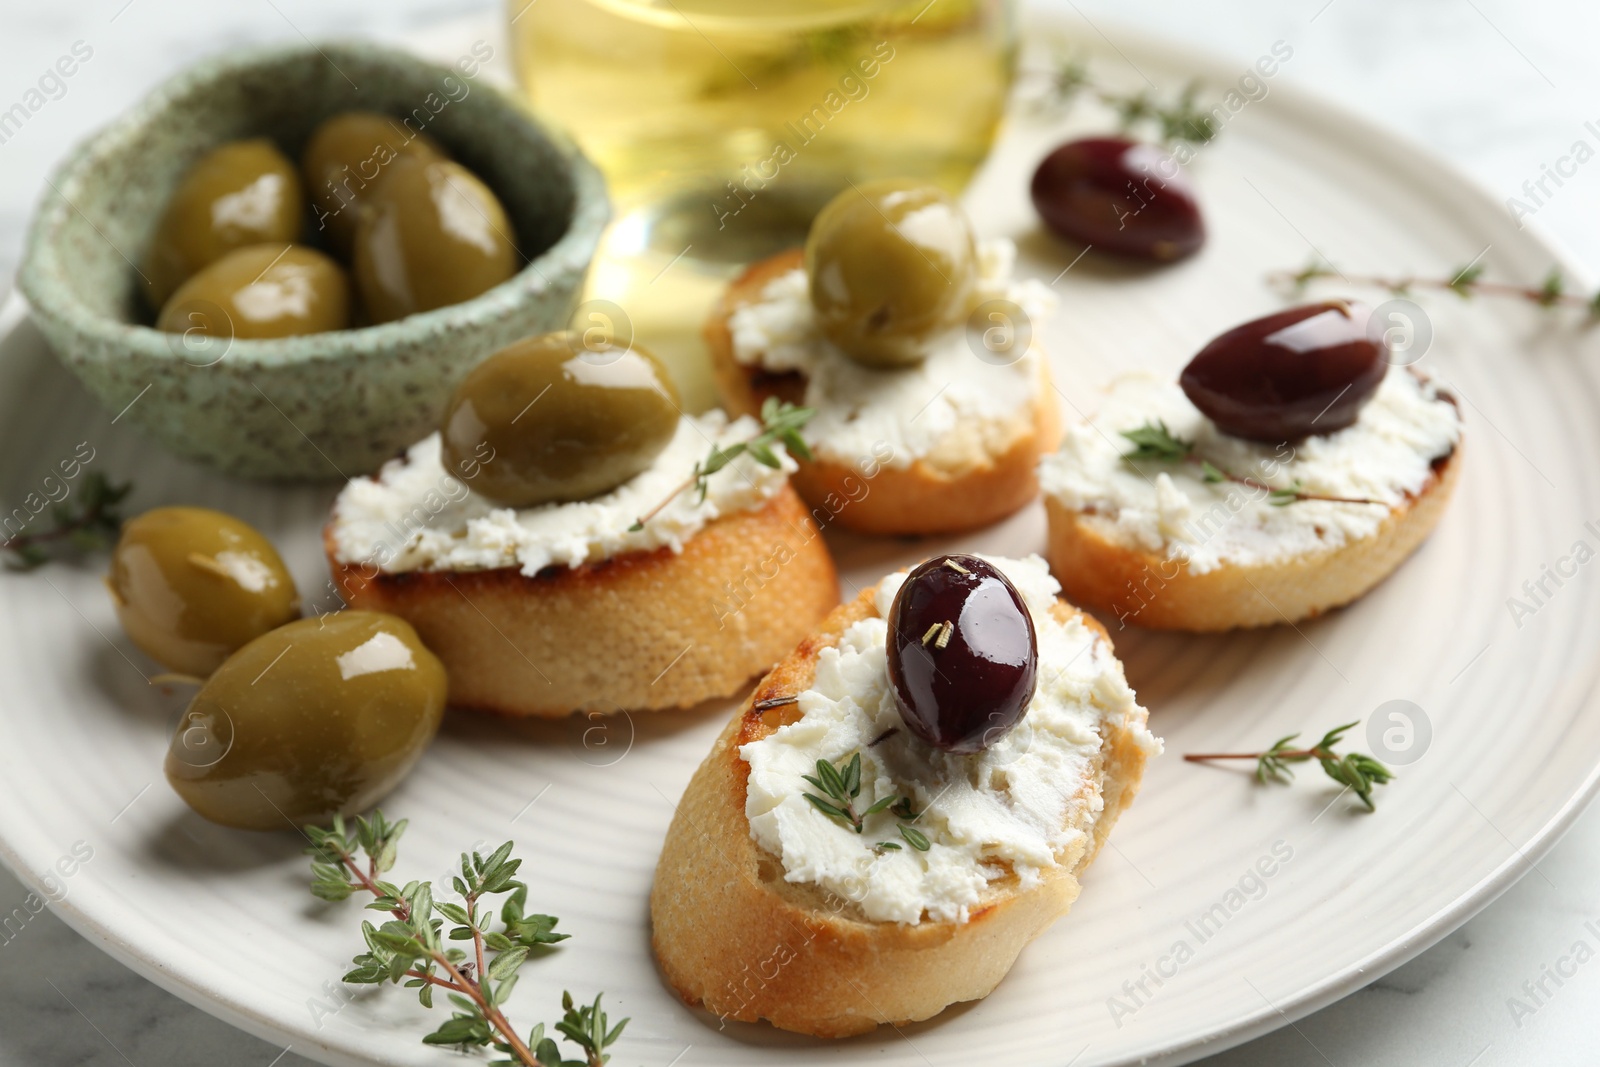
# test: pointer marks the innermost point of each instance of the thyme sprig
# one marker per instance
(1068, 78)
(1153, 441)
(87, 520)
(1360, 773)
(1466, 282)
(842, 784)
(409, 947)
(781, 423)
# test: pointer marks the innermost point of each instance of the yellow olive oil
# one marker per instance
(723, 126)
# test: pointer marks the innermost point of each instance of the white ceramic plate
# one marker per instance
(223, 918)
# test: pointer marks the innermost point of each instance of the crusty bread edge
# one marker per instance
(877, 499)
(731, 936)
(642, 631)
(1149, 590)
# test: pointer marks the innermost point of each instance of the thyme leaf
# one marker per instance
(87, 520)
(1466, 282)
(1358, 772)
(842, 785)
(781, 423)
(407, 947)
(1154, 441)
(1179, 119)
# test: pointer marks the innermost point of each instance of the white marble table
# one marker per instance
(1498, 87)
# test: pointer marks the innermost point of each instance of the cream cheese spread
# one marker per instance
(1169, 508)
(951, 405)
(415, 515)
(1008, 809)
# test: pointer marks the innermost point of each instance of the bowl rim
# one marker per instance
(41, 277)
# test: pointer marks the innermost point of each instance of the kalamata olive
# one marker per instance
(320, 717)
(963, 658)
(261, 291)
(429, 234)
(191, 585)
(1120, 196)
(243, 193)
(346, 157)
(889, 263)
(549, 419)
(1307, 370)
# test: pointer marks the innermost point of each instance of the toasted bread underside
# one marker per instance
(1148, 590)
(640, 631)
(918, 499)
(732, 936)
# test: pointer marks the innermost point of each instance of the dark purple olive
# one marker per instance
(1119, 196)
(1308, 370)
(963, 658)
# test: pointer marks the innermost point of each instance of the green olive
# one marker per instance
(889, 263)
(244, 193)
(191, 585)
(318, 718)
(547, 419)
(261, 291)
(346, 156)
(432, 234)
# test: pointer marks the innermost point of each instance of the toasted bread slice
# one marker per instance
(641, 631)
(990, 477)
(734, 937)
(1153, 591)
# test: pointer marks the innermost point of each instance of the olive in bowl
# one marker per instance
(192, 585)
(241, 193)
(259, 292)
(431, 234)
(318, 718)
(345, 158)
(323, 406)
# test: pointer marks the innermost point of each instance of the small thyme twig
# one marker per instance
(1465, 282)
(1180, 119)
(87, 520)
(1154, 441)
(1354, 770)
(408, 946)
(842, 784)
(781, 422)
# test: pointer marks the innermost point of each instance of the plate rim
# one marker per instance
(1394, 149)
(1381, 144)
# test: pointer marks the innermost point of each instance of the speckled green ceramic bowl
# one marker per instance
(325, 405)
